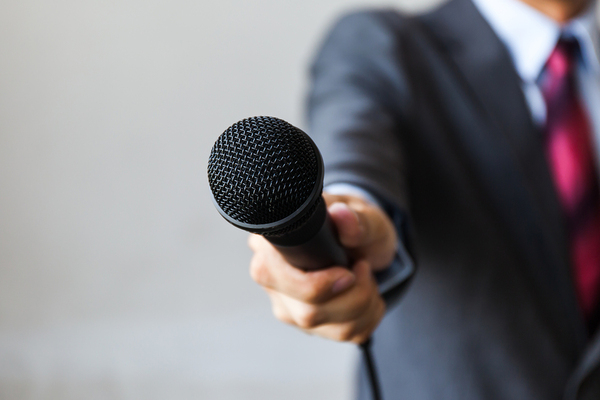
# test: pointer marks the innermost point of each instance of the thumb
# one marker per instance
(350, 224)
(367, 230)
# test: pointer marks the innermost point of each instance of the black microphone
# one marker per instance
(266, 177)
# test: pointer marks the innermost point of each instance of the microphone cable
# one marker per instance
(365, 348)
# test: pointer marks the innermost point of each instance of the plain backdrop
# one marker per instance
(118, 279)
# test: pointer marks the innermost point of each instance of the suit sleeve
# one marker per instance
(356, 110)
(355, 107)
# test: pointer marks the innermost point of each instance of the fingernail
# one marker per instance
(343, 207)
(342, 284)
(338, 206)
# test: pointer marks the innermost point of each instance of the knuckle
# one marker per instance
(317, 289)
(346, 334)
(358, 339)
(308, 318)
(312, 292)
(281, 314)
(259, 271)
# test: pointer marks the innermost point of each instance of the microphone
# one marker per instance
(266, 177)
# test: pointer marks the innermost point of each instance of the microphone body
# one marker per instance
(266, 177)
(313, 246)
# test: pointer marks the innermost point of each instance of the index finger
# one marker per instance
(269, 269)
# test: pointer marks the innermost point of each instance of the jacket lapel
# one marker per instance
(585, 381)
(518, 178)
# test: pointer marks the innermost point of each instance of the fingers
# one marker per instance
(269, 269)
(355, 331)
(351, 316)
(347, 306)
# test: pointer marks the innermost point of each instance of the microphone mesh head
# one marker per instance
(262, 169)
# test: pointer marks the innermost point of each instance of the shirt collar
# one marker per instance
(530, 36)
(585, 29)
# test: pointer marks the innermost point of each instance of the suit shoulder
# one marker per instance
(378, 16)
(372, 33)
(364, 49)
(370, 22)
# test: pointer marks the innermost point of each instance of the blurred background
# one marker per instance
(118, 279)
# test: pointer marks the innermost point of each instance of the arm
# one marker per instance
(354, 122)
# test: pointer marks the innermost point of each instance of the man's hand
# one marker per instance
(336, 303)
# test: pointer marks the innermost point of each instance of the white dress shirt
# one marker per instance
(530, 37)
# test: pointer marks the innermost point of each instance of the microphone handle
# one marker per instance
(315, 245)
(308, 250)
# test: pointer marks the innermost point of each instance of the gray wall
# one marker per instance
(118, 279)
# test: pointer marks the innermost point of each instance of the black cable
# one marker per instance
(371, 371)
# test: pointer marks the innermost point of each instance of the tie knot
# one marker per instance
(556, 78)
(562, 59)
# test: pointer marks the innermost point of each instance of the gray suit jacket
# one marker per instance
(427, 113)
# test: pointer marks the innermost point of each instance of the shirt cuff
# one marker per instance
(393, 280)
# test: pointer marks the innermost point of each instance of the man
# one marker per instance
(476, 125)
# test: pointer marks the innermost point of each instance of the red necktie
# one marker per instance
(569, 150)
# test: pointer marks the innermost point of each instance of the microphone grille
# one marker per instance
(262, 169)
